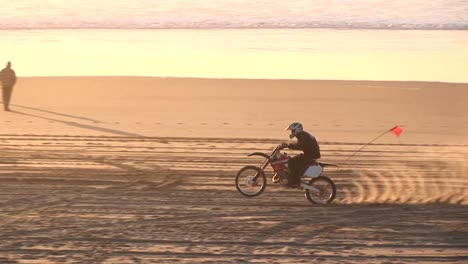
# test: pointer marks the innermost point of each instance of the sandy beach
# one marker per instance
(141, 170)
(343, 111)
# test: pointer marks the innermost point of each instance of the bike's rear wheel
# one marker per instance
(250, 181)
(326, 193)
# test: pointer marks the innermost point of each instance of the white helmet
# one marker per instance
(295, 128)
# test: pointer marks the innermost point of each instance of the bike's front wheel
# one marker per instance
(326, 190)
(250, 181)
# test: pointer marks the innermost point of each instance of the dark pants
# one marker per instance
(296, 167)
(6, 92)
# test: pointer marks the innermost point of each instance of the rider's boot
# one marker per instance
(293, 182)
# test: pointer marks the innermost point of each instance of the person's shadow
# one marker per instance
(75, 124)
(56, 113)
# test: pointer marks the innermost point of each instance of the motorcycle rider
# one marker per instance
(311, 152)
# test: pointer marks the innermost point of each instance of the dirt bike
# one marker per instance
(251, 180)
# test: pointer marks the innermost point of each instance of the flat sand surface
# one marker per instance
(141, 170)
(345, 111)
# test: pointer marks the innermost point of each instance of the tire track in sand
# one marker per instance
(130, 200)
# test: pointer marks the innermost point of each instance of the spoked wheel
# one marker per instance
(250, 181)
(326, 193)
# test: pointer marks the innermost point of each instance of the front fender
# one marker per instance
(260, 154)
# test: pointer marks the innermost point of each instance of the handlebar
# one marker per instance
(278, 148)
(282, 146)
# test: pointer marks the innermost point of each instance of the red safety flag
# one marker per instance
(396, 130)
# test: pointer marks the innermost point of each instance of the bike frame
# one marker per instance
(279, 162)
(267, 161)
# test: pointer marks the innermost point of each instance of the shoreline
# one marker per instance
(242, 79)
(248, 54)
(240, 28)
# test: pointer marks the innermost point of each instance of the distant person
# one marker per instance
(8, 80)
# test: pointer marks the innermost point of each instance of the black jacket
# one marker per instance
(7, 77)
(307, 143)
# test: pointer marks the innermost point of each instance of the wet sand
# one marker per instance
(78, 188)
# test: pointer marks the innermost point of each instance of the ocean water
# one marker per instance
(297, 39)
(128, 14)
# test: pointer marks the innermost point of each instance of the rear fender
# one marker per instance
(313, 171)
(326, 164)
